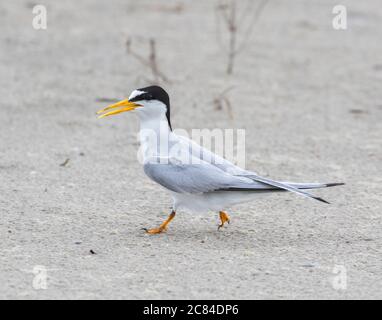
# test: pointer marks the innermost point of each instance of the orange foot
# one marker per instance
(223, 218)
(163, 226)
(155, 230)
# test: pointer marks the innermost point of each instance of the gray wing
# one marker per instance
(208, 156)
(195, 178)
(228, 167)
(204, 177)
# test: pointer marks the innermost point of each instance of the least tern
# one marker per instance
(196, 178)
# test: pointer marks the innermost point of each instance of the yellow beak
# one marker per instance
(119, 107)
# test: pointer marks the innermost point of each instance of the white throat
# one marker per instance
(155, 135)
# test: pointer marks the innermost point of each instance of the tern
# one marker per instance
(196, 178)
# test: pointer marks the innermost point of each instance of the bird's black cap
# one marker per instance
(155, 93)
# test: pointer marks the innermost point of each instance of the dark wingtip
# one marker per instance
(322, 200)
(334, 184)
(330, 185)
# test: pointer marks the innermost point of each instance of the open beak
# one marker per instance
(119, 107)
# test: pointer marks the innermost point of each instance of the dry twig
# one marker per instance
(239, 30)
(222, 100)
(150, 62)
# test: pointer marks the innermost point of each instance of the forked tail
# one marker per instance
(293, 187)
(307, 186)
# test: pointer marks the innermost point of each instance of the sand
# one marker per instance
(308, 96)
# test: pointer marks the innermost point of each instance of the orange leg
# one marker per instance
(163, 226)
(223, 218)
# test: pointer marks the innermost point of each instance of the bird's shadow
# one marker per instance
(230, 237)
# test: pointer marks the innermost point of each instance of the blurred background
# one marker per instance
(73, 196)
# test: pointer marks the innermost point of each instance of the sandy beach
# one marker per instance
(74, 198)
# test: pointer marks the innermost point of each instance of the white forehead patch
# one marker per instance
(135, 93)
